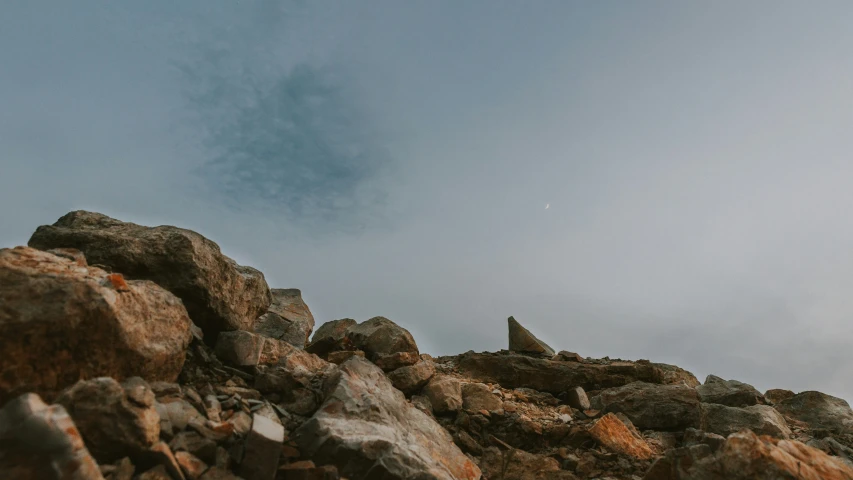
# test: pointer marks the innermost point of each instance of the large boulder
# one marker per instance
(115, 420)
(521, 340)
(380, 336)
(41, 442)
(729, 392)
(288, 318)
(330, 336)
(61, 322)
(746, 456)
(219, 294)
(368, 430)
(653, 407)
(818, 410)
(761, 419)
(514, 371)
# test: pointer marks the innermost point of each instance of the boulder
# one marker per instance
(411, 379)
(477, 397)
(263, 448)
(288, 318)
(746, 456)
(653, 407)
(219, 294)
(330, 336)
(761, 419)
(380, 336)
(61, 322)
(392, 362)
(115, 420)
(818, 410)
(616, 436)
(729, 392)
(521, 340)
(777, 395)
(514, 371)
(367, 429)
(577, 398)
(444, 393)
(41, 442)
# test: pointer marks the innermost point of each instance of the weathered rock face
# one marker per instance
(367, 429)
(218, 294)
(655, 407)
(521, 340)
(61, 322)
(615, 435)
(513, 371)
(114, 420)
(729, 392)
(819, 410)
(746, 456)
(380, 336)
(288, 318)
(41, 442)
(761, 419)
(329, 336)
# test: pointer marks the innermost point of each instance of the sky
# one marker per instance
(395, 158)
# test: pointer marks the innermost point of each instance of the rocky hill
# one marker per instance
(131, 352)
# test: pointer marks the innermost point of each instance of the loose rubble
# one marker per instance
(107, 375)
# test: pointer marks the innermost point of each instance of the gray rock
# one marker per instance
(818, 410)
(693, 436)
(654, 407)
(777, 395)
(41, 442)
(411, 379)
(219, 294)
(288, 318)
(263, 448)
(444, 393)
(576, 398)
(367, 429)
(113, 425)
(330, 336)
(477, 396)
(380, 336)
(761, 419)
(521, 340)
(729, 392)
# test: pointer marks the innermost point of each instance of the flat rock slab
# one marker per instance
(219, 294)
(521, 340)
(367, 429)
(616, 436)
(288, 318)
(514, 371)
(61, 322)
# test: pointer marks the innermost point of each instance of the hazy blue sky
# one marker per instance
(395, 158)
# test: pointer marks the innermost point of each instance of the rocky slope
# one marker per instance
(131, 352)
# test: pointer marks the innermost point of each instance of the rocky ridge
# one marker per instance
(134, 352)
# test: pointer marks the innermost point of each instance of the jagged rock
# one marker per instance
(61, 323)
(513, 464)
(654, 407)
(444, 393)
(41, 442)
(577, 398)
(521, 340)
(818, 410)
(514, 371)
(611, 432)
(476, 397)
(392, 362)
(761, 419)
(246, 349)
(411, 379)
(777, 395)
(367, 429)
(263, 448)
(330, 336)
(380, 336)
(113, 422)
(288, 318)
(219, 294)
(694, 436)
(746, 456)
(729, 392)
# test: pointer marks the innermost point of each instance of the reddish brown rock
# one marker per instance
(218, 294)
(61, 322)
(613, 434)
(191, 466)
(368, 430)
(41, 442)
(330, 336)
(288, 319)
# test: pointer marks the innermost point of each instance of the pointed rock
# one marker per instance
(521, 340)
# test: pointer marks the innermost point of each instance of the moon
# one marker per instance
(547, 206)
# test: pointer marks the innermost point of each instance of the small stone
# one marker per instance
(521, 340)
(191, 465)
(577, 398)
(212, 407)
(565, 418)
(262, 450)
(239, 348)
(242, 423)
